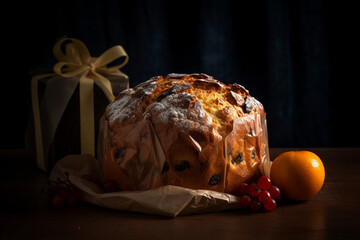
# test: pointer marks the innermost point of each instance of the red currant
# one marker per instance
(274, 192)
(57, 201)
(255, 205)
(63, 192)
(245, 201)
(270, 205)
(87, 177)
(264, 196)
(253, 190)
(264, 183)
(110, 186)
(243, 189)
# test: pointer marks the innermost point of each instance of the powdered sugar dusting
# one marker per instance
(251, 103)
(175, 106)
(128, 107)
(174, 111)
(123, 109)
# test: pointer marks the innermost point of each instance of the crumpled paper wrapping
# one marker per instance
(143, 148)
(167, 200)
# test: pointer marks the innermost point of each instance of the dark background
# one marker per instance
(299, 58)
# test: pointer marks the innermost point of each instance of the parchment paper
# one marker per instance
(168, 200)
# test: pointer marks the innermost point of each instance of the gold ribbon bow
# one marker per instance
(77, 62)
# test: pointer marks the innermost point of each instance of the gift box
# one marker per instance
(67, 104)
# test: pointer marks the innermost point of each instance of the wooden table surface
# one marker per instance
(332, 214)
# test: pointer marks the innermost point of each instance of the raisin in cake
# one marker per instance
(186, 130)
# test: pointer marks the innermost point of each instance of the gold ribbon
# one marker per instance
(77, 62)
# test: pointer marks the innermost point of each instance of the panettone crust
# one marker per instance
(187, 130)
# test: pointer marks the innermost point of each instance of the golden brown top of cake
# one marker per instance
(190, 103)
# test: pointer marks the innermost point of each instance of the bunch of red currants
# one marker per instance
(260, 195)
(62, 192)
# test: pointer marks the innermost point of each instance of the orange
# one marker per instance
(299, 174)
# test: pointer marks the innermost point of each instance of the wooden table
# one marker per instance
(333, 214)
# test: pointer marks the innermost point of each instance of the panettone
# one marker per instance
(186, 130)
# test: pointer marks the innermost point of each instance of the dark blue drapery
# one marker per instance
(294, 56)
